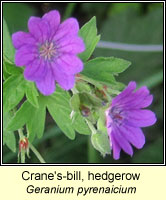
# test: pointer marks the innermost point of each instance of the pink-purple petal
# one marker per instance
(53, 19)
(115, 146)
(72, 45)
(39, 28)
(21, 38)
(122, 141)
(47, 85)
(36, 70)
(138, 99)
(134, 135)
(124, 94)
(64, 80)
(25, 55)
(68, 27)
(140, 118)
(69, 64)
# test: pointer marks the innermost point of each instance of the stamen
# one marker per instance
(117, 115)
(47, 50)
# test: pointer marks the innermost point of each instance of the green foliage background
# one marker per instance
(132, 23)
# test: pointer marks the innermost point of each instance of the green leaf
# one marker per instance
(8, 136)
(59, 108)
(100, 142)
(90, 100)
(23, 115)
(89, 34)
(13, 91)
(75, 102)
(32, 94)
(80, 125)
(102, 69)
(6, 75)
(12, 69)
(36, 125)
(8, 49)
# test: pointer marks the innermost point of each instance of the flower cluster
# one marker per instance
(49, 51)
(125, 116)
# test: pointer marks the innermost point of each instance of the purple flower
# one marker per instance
(49, 52)
(125, 116)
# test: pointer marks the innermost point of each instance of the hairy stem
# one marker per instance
(35, 151)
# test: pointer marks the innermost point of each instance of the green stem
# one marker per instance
(21, 136)
(40, 158)
(69, 10)
(22, 156)
(74, 90)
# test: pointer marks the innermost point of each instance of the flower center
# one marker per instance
(117, 115)
(47, 50)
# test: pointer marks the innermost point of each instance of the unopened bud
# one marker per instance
(23, 144)
(85, 111)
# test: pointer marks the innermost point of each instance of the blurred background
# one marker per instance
(130, 23)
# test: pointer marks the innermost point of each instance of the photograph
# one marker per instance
(83, 83)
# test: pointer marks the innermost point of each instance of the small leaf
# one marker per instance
(75, 102)
(8, 49)
(6, 75)
(21, 117)
(12, 69)
(8, 136)
(32, 94)
(89, 34)
(13, 91)
(100, 142)
(103, 69)
(80, 125)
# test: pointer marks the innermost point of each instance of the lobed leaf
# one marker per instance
(8, 49)
(32, 94)
(13, 91)
(23, 115)
(89, 34)
(103, 69)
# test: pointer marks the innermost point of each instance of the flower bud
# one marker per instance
(85, 111)
(23, 144)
